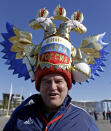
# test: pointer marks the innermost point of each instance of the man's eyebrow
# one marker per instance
(59, 79)
(44, 79)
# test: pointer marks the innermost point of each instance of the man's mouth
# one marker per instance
(53, 94)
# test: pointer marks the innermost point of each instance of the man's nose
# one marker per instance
(53, 85)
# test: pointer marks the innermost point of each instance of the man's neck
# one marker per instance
(49, 110)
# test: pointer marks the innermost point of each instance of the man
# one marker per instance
(51, 110)
(54, 64)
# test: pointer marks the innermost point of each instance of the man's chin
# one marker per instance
(54, 104)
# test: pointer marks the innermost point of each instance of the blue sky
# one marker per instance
(97, 19)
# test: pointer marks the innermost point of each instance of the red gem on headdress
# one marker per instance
(78, 15)
(42, 12)
(60, 11)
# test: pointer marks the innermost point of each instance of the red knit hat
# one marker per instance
(40, 73)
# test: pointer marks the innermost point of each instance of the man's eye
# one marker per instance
(45, 82)
(58, 81)
(48, 82)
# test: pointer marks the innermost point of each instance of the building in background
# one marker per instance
(16, 99)
(89, 106)
(104, 105)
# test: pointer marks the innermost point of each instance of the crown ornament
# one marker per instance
(64, 29)
(60, 11)
(43, 13)
(55, 50)
(77, 15)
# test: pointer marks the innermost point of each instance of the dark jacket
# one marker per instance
(33, 117)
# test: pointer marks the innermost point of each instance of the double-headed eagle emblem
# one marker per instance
(24, 57)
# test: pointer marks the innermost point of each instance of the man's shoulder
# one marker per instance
(80, 113)
(26, 106)
(27, 109)
(82, 117)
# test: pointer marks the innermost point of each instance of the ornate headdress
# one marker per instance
(55, 54)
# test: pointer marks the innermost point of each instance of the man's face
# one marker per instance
(53, 90)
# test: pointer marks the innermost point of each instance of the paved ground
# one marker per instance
(3, 120)
(104, 125)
